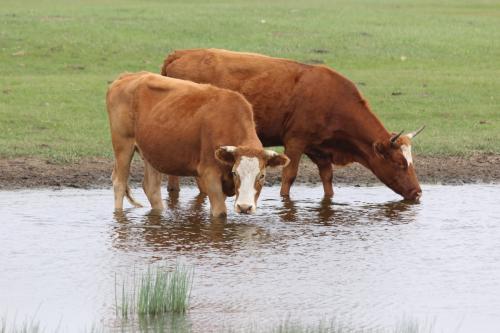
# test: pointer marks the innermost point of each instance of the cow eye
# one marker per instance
(233, 173)
(262, 176)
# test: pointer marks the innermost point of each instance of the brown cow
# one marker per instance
(187, 129)
(307, 109)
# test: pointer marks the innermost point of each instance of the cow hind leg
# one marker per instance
(173, 184)
(152, 185)
(325, 169)
(124, 151)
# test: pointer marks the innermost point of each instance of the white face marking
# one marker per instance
(247, 170)
(406, 150)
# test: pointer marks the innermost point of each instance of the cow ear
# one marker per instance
(226, 154)
(379, 149)
(273, 159)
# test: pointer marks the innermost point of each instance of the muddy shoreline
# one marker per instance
(18, 173)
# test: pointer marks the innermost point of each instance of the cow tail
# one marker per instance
(128, 194)
(130, 198)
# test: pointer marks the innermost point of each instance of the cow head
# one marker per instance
(248, 167)
(392, 163)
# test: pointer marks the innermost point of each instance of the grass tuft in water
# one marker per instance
(157, 292)
(28, 326)
(333, 326)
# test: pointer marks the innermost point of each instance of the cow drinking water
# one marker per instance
(308, 109)
(186, 129)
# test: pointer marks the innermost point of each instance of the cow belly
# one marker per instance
(168, 152)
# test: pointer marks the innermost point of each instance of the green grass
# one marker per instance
(416, 61)
(157, 292)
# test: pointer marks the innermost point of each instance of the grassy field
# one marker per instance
(416, 61)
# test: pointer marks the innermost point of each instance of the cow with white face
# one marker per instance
(248, 169)
(186, 129)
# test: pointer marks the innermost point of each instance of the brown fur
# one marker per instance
(177, 126)
(310, 110)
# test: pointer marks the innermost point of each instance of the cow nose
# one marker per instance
(245, 209)
(415, 195)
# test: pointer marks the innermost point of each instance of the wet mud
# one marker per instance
(96, 172)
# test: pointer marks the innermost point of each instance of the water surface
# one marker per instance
(364, 257)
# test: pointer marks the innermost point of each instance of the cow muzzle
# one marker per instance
(244, 208)
(414, 195)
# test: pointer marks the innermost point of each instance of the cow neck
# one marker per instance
(370, 130)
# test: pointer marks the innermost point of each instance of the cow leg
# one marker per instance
(212, 184)
(173, 184)
(290, 171)
(152, 185)
(200, 185)
(325, 172)
(124, 149)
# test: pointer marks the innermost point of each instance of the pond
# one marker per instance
(364, 258)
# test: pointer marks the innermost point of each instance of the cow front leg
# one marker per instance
(173, 184)
(212, 184)
(290, 171)
(199, 183)
(325, 168)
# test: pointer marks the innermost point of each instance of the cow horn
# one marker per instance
(395, 137)
(415, 133)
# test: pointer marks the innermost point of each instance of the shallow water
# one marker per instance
(364, 258)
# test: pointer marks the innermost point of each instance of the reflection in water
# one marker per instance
(360, 256)
(328, 212)
(288, 212)
(182, 228)
(145, 324)
(190, 228)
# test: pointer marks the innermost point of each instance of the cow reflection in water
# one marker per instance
(189, 228)
(183, 229)
(327, 212)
